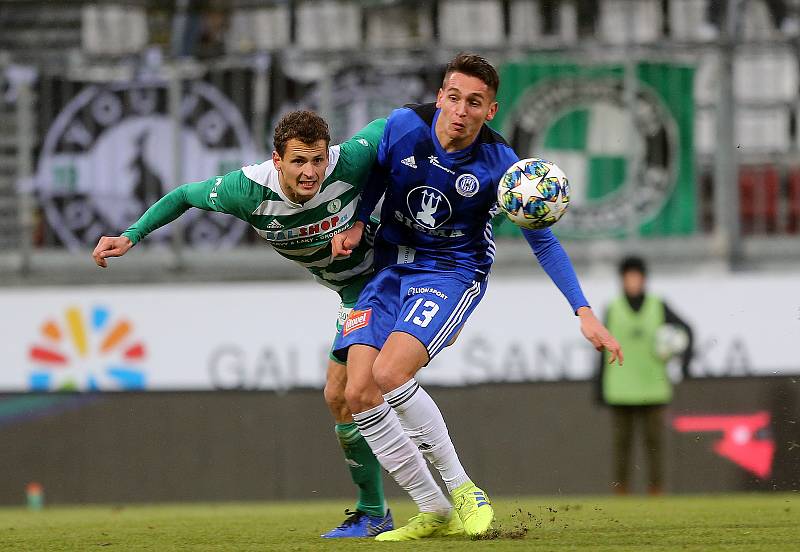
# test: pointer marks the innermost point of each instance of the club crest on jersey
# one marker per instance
(429, 207)
(335, 205)
(467, 185)
(356, 319)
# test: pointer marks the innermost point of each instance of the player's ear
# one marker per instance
(439, 96)
(276, 160)
(492, 111)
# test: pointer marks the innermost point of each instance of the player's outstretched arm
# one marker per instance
(163, 211)
(555, 262)
(110, 246)
(599, 336)
(232, 194)
(343, 243)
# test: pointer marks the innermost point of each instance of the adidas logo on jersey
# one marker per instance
(410, 162)
(274, 224)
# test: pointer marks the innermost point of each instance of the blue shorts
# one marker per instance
(430, 304)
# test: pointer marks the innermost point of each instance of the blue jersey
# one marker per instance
(438, 206)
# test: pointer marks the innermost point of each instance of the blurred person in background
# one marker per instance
(297, 201)
(650, 333)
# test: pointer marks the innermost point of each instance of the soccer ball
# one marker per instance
(670, 340)
(533, 193)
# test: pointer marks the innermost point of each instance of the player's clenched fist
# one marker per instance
(110, 246)
(343, 243)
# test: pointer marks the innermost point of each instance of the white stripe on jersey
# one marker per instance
(360, 268)
(281, 208)
(319, 264)
(455, 318)
(329, 285)
(487, 233)
(345, 215)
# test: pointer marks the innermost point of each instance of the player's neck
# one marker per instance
(450, 144)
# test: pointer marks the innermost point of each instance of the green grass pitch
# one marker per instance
(724, 522)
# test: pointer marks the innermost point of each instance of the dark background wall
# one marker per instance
(539, 438)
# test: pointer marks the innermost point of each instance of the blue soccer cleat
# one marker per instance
(359, 524)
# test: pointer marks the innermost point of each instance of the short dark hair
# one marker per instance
(474, 66)
(306, 126)
(632, 263)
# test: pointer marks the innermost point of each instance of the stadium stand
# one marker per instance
(113, 29)
(78, 38)
(465, 23)
(8, 150)
(623, 22)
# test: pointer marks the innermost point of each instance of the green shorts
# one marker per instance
(344, 312)
(349, 297)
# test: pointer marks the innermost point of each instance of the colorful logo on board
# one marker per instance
(87, 350)
(745, 441)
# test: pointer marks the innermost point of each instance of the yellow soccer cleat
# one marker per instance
(421, 526)
(453, 528)
(474, 509)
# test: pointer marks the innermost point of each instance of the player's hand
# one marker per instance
(110, 246)
(343, 243)
(599, 336)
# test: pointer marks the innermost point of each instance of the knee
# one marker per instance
(388, 377)
(334, 395)
(362, 397)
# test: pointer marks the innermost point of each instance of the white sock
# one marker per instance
(422, 420)
(401, 458)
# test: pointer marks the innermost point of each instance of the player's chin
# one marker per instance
(459, 133)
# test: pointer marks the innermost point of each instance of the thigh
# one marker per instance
(435, 307)
(344, 311)
(371, 319)
(399, 360)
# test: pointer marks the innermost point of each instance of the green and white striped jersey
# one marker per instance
(299, 232)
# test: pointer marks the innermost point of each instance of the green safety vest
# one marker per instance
(643, 379)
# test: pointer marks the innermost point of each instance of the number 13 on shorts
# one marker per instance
(435, 313)
(429, 310)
